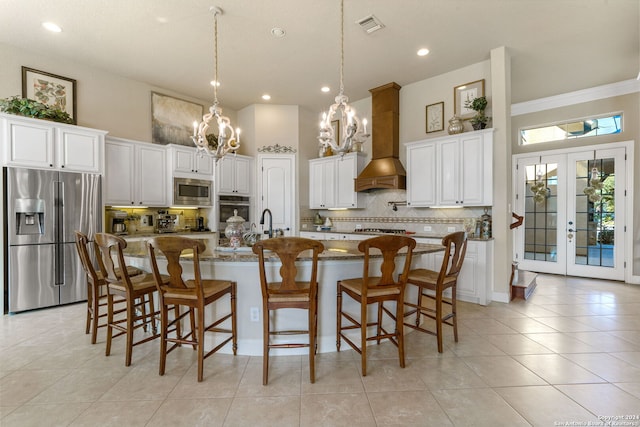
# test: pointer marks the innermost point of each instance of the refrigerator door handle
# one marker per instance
(59, 221)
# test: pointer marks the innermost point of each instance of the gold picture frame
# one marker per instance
(435, 117)
(466, 93)
(51, 90)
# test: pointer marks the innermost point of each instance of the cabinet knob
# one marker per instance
(50, 165)
(62, 166)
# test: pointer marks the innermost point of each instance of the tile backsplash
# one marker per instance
(137, 223)
(379, 213)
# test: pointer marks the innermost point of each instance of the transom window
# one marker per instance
(571, 129)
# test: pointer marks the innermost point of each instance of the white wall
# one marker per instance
(105, 101)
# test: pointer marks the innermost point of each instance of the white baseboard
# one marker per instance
(500, 297)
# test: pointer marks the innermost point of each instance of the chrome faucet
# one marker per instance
(270, 232)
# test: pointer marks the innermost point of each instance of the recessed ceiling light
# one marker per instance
(266, 97)
(325, 89)
(162, 20)
(214, 83)
(423, 52)
(278, 32)
(52, 27)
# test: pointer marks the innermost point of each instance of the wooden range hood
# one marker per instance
(385, 170)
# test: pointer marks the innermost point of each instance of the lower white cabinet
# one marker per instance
(136, 174)
(475, 280)
(321, 235)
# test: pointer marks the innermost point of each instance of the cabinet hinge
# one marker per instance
(517, 196)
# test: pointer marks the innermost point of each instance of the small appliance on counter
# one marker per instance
(165, 222)
(117, 222)
(200, 225)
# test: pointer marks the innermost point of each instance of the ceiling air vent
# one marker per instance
(370, 24)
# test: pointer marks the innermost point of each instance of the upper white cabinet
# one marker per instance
(331, 181)
(234, 175)
(136, 174)
(48, 145)
(421, 175)
(322, 178)
(451, 171)
(187, 162)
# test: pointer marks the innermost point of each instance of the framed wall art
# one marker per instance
(50, 89)
(466, 93)
(435, 114)
(172, 119)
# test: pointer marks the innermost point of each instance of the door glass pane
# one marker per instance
(541, 209)
(595, 212)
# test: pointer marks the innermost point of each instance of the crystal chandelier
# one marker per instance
(353, 130)
(227, 139)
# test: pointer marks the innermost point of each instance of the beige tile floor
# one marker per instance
(570, 353)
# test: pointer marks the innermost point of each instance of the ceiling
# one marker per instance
(556, 46)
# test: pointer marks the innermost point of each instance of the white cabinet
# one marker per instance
(234, 175)
(451, 171)
(320, 235)
(475, 279)
(421, 178)
(331, 181)
(42, 144)
(136, 174)
(187, 162)
(322, 179)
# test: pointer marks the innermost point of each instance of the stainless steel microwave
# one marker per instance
(193, 192)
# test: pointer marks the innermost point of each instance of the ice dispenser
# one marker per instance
(29, 216)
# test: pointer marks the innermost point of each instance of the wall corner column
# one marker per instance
(501, 212)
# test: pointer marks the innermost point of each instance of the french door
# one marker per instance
(573, 205)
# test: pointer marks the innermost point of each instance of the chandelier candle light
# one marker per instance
(353, 130)
(228, 139)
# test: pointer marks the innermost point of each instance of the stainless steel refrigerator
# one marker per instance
(42, 210)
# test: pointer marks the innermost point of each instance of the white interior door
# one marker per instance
(277, 190)
(573, 215)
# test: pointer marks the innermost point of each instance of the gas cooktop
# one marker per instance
(381, 230)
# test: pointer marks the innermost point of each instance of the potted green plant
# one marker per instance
(479, 104)
(30, 108)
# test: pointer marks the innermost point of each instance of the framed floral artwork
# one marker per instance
(50, 89)
(172, 119)
(435, 114)
(464, 94)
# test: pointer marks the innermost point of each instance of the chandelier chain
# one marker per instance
(341, 47)
(215, 58)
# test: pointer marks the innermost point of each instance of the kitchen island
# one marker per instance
(340, 260)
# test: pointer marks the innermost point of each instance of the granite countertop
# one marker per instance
(334, 250)
(410, 234)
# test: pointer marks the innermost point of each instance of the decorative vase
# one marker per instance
(455, 125)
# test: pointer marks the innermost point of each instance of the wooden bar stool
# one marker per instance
(137, 291)
(96, 287)
(194, 294)
(432, 284)
(289, 292)
(376, 290)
